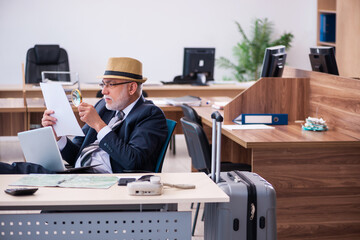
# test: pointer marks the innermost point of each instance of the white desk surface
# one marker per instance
(205, 191)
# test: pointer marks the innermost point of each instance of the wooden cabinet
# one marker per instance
(347, 30)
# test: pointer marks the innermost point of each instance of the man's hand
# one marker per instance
(89, 115)
(47, 120)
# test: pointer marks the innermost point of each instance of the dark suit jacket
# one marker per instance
(134, 145)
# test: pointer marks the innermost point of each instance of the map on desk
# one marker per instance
(66, 180)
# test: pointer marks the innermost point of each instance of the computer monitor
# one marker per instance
(199, 65)
(274, 61)
(322, 59)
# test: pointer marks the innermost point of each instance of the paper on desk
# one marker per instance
(189, 100)
(247, 126)
(129, 176)
(66, 180)
(159, 101)
(219, 105)
(55, 99)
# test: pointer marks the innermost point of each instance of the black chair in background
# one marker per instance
(99, 94)
(191, 114)
(200, 153)
(46, 58)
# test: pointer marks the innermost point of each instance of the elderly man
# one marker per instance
(123, 131)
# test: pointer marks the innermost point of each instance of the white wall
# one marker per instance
(153, 31)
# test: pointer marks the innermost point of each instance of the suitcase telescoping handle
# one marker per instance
(217, 119)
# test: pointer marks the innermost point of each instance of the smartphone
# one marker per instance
(20, 191)
(125, 181)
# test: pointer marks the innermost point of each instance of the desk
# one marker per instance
(175, 112)
(228, 90)
(12, 116)
(33, 113)
(34, 91)
(36, 108)
(17, 117)
(89, 90)
(316, 175)
(100, 223)
(284, 136)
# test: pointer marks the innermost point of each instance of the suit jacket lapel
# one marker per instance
(138, 103)
(91, 136)
(106, 115)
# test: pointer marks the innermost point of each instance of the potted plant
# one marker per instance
(250, 52)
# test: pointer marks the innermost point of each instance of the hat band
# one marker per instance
(123, 74)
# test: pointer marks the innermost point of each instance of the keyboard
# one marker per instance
(179, 82)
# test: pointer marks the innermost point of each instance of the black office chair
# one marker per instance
(191, 114)
(200, 153)
(46, 58)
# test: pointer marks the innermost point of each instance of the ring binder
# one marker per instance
(264, 118)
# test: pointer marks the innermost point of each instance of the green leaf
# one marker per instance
(285, 40)
(225, 63)
(249, 52)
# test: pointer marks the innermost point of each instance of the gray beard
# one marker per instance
(109, 108)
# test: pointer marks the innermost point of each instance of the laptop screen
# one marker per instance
(39, 146)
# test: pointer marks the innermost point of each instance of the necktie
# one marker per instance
(120, 116)
(85, 156)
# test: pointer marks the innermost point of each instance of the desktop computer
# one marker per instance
(198, 67)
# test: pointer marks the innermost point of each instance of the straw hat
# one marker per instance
(124, 68)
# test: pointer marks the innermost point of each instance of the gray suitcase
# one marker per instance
(251, 212)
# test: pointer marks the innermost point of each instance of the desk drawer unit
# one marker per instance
(96, 225)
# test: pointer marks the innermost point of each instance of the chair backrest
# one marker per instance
(197, 144)
(191, 114)
(46, 58)
(171, 127)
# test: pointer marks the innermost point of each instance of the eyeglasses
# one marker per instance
(111, 85)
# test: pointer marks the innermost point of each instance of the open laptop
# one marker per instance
(39, 146)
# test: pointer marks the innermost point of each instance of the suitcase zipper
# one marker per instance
(251, 216)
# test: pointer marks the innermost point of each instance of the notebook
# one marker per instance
(39, 146)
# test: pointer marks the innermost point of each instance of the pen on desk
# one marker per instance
(61, 181)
